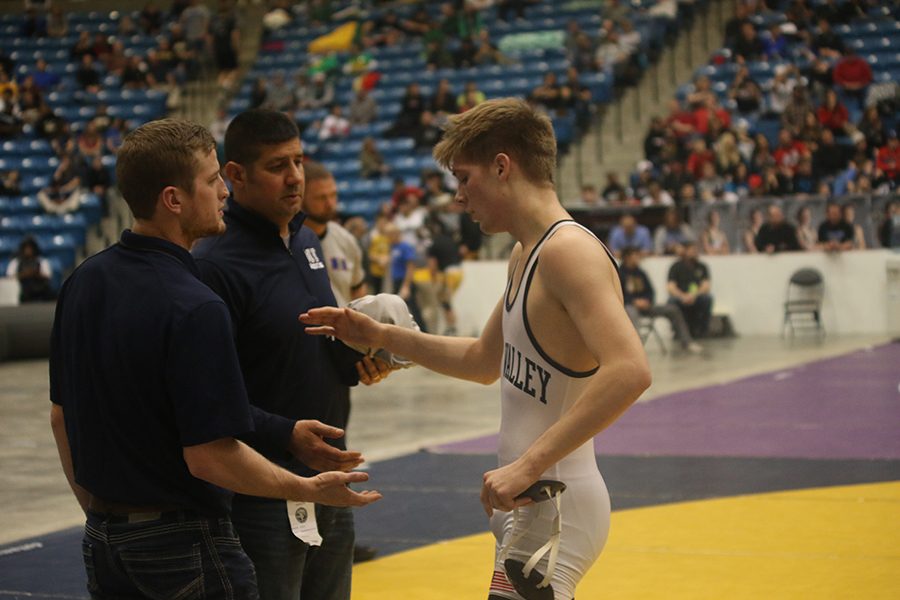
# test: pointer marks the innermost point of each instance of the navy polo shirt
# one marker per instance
(143, 363)
(266, 284)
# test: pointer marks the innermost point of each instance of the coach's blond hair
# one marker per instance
(156, 155)
(506, 125)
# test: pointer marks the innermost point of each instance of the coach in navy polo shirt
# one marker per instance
(269, 268)
(147, 390)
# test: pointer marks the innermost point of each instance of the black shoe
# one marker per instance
(363, 553)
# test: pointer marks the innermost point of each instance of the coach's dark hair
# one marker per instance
(156, 155)
(252, 129)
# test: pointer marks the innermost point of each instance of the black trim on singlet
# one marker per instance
(531, 336)
(507, 303)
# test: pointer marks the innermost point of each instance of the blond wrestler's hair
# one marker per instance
(507, 125)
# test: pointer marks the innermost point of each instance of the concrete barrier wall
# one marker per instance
(749, 288)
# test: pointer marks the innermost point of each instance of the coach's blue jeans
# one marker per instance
(286, 568)
(178, 555)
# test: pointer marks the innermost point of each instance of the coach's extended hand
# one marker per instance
(309, 447)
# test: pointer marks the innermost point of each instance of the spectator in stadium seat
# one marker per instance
(487, 53)
(711, 185)
(97, 178)
(135, 75)
(464, 56)
(151, 18)
(10, 116)
(712, 239)
(443, 102)
(889, 230)
(195, 20)
(630, 234)
(10, 183)
(748, 46)
(657, 196)
(225, 35)
(87, 75)
(33, 272)
(614, 192)
(832, 113)
(853, 75)
(410, 116)
(64, 194)
(363, 108)
(115, 135)
(872, 127)
(90, 142)
(734, 24)
(828, 158)
(680, 120)
(672, 236)
(748, 235)
(776, 234)
(781, 89)
(44, 79)
(827, 43)
(101, 46)
(888, 158)
(848, 212)
(835, 234)
(548, 93)
(806, 234)
(746, 93)
(57, 24)
(279, 95)
(689, 289)
(428, 133)
(728, 156)
(775, 44)
(83, 45)
(470, 97)
(794, 114)
(655, 139)
(335, 124)
(371, 161)
(699, 156)
(789, 150)
(803, 179)
(585, 52)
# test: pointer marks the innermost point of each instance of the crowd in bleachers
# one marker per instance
(801, 102)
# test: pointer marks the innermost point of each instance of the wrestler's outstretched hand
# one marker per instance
(349, 326)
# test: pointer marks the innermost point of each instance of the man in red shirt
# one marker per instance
(789, 151)
(888, 158)
(852, 74)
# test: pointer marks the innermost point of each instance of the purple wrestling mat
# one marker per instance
(842, 407)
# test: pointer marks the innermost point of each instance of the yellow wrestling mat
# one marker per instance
(835, 542)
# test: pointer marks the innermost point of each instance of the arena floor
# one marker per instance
(759, 469)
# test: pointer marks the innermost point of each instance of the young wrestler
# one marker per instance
(570, 359)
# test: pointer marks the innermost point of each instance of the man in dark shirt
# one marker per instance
(639, 297)
(835, 234)
(268, 268)
(776, 234)
(689, 287)
(147, 391)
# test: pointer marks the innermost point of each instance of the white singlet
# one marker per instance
(535, 392)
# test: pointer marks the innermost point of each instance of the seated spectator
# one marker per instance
(584, 55)
(44, 79)
(829, 158)
(852, 74)
(748, 236)
(64, 194)
(806, 234)
(279, 95)
(97, 177)
(115, 135)
(748, 47)
(50, 125)
(680, 120)
(589, 196)
(135, 75)
(710, 115)
(470, 97)
(443, 103)
(781, 89)
(10, 183)
(322, 92)
(711, 185)
(712, 239)
(11, 122)
(689, 290)
(464, 57)
(775, 44)
(629, 234)
(872, 127)
(888, 158)
(335, 124)
(699, 156)
(639, 297)
(102, 120)
(794, 115)
(259, 93)
(788, 152)
(151, 18)
(437, 56)
(90, 142)
(776, 234)
(746, 93)
(848, 212)
(889, 230)
(728, 156)
(428, 133)
(410, 116)
(827, 43)
(83, 45)
(803, 179)
(832, 114)
(127, 27)
(835, 234)
(486, 53)
(363, 108)
(548, 93)
(116, 61)
(673, 235)
(101, 46)
(32, 271)
(614, 192)
(371, 162)
(657, 196)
